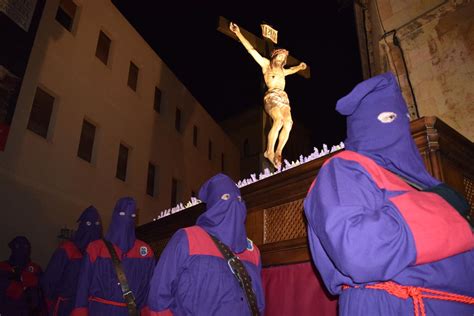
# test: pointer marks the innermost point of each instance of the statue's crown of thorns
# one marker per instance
(279, 51)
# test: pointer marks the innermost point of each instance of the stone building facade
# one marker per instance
(429, 45)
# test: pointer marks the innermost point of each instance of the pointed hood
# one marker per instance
(225, 212)
(20, 251)
(378, 126)
(89, 228)
(122, 226)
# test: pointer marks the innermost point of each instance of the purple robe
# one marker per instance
(99, 291)
(192, 277)
(368, 226)
(59, 281)
(20, 294)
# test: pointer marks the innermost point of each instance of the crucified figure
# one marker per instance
(276, 101)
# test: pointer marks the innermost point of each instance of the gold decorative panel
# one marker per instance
(284, 222)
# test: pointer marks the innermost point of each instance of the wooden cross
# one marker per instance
(260, 45)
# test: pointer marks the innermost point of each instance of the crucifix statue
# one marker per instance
(276, 102)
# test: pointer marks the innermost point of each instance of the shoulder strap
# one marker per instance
(238, 269)
(126, 292)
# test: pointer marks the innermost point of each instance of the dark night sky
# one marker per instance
(225, 79)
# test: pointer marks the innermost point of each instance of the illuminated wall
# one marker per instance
(44, 185)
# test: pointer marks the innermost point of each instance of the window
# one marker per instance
(40, 115)
(152, 180)
(103, 48)
(122, 163)
(133, 76)
(86, 143)
(209, 150)
(175, 194)
(177, 121)
(157, 100)
(195, 136)
(222, 162)
(65, 14)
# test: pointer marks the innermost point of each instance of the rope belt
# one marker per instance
(107, 302)
(417, 294)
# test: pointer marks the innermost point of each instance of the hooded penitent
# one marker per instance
(20, 251)
(89, 228)
(378, 126)
(59, 281)
(367, 226)
(225, 212)
(99, 291)
(192, 276)
(19, 291)
(122, 227)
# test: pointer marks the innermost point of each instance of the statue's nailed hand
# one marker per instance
(302, 66)
(234, 28)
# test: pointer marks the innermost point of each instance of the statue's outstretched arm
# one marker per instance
(295, 69)
(262, 61)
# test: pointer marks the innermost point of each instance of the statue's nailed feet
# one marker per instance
(270, 156)
(275, 159)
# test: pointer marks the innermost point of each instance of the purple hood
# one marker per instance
(225, 212)
(20, 251)
(89, 228)
(378, 126)
(122, 226)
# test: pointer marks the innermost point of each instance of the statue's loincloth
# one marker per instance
(275, 98)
